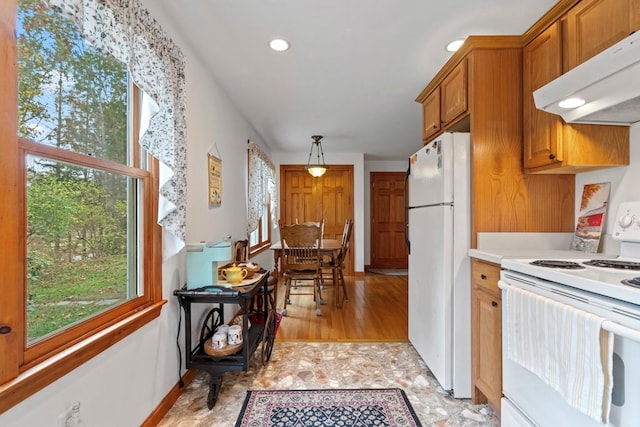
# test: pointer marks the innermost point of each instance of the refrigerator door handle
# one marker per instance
(406, 210)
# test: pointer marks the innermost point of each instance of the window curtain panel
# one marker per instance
(262, 178)
(124, 29)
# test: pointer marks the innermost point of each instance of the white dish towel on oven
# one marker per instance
(565, 347)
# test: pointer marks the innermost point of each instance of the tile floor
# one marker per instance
(298, 365)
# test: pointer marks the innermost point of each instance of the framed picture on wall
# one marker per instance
(593, 209)
(215, 180)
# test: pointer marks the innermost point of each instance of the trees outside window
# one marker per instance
(86, 256)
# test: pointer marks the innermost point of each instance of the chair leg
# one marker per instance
(344, 286)
(316, 285)
(287, 285)
(336, 286)
(319, 289)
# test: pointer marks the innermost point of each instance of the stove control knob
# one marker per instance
(625, 220)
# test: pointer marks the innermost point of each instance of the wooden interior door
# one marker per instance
(388, 248)
(329, 197)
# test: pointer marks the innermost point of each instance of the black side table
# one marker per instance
(262, 329)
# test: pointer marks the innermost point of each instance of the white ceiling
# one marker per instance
(354, 67)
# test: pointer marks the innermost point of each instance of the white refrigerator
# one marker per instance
(438, 239)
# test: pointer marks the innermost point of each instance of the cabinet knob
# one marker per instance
(435, 126)
(552, 156)
(5, 329)
(483, 276)
(494, 304)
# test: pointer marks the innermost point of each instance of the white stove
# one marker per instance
(611, 294)
(592, 274)
(605, 281)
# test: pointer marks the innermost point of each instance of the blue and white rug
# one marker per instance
(318, 408)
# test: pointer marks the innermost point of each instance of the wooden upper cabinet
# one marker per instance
(594, 25)
(431, 115)
(453, 94)
(550, 144)
(446, 103)
(542, 62)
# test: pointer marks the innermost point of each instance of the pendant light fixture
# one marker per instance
(318, 169)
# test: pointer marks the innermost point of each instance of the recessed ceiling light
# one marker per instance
(571, 103)
(454, 45)
(279, 45)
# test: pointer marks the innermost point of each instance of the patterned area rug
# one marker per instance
(315, 408)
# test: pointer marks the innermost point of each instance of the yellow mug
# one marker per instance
(234, 275)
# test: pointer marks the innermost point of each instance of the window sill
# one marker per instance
(259, 249)
(35, 379)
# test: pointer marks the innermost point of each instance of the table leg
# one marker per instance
(215, 383)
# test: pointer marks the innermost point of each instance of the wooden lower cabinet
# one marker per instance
(486, 333)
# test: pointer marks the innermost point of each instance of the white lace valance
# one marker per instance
(262, 178)
(125, 29)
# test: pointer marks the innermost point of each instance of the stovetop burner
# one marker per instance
(632, 282)
(613, 263)
(566, 265)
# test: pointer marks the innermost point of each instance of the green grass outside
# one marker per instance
(66, 293)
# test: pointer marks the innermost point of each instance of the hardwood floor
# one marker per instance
(375, 311)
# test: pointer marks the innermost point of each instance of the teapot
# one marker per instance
(234, 274)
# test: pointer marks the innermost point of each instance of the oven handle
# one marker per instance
(621, 331)
(607, 325)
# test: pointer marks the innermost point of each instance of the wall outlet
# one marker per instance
(70, 417)
(64, 418)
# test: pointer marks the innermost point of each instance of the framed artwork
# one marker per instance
(215, 180)
(593, 209)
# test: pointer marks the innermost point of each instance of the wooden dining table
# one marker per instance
(328, 247)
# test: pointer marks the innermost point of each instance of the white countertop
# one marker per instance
(493, 247)
(496, 255)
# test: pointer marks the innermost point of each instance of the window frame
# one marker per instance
(262, 245)
(25, 370)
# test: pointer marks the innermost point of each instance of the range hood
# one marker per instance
(609, 84)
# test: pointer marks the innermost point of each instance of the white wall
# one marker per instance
(376, 166)
(624, 186)
(124, 384)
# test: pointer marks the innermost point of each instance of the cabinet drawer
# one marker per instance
(485, 275)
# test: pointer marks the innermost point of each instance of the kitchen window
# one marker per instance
(82, 250)
(261, 199)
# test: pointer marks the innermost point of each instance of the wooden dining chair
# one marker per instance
(240, 248)
(301, 261)
(338, 265)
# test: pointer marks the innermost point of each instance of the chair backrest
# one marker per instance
(240, 251)
(346, 240)
(346, 232)
(317, 223)
(300, 247)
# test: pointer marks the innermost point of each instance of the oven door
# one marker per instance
(540, 403)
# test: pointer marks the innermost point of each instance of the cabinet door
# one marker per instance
(431, 115)
(542, 62)
(488, 318)
(594, 25)
(453, 97)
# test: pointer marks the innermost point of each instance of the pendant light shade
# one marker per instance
(318, 168)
